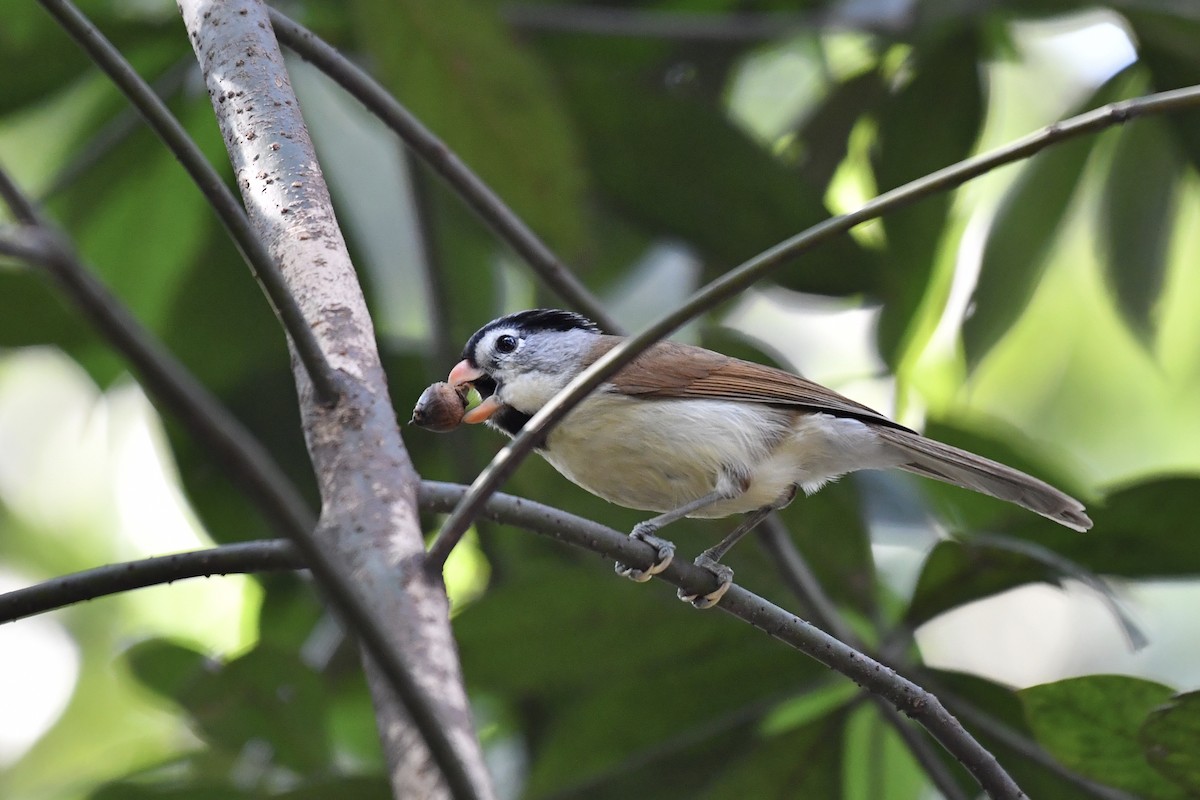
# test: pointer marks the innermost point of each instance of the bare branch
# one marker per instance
(738, 279)
(433, 151)
(228, 559)
(368, 484)
(228, 210)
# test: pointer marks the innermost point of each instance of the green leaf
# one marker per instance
(694, 175)
(829, 529)
(168, 668)
(1024, 230)
(1166, 38)
(876, 763)
(155, 207)
(266, 695)
(825, 135)
(29, 34)
(1139, 203)
(617, 673)
(804, 762)
(459, 70)
(909, 146)
(358, 788)
(1169, 737)
(1002, 706)
(956, 573)
(173, 790)
(1092, 725)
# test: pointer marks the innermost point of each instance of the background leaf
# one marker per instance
(1169, 737)
(1140, 201)
(1091, 724)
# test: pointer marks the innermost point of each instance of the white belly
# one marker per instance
(656, 455)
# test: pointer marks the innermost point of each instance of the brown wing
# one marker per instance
(670, 369)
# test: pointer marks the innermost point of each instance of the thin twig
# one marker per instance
(731, 283)
(21, 207)
(227, 559)
(229, 211)
(248, 465)
(469, 186)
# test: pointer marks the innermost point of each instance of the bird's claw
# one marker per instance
(724, 577)
(666, 552)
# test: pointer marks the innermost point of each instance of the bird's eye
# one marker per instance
(506, 343)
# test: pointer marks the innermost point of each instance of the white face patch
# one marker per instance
(540, 365)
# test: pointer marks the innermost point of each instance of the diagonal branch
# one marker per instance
(731, 283)
(226, 206)
(802, 582)
(433, 151)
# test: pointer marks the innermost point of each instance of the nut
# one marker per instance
(440, 408)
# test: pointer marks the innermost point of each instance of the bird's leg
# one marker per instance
(710, 560)
(645, 532)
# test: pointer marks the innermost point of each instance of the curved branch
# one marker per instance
(229, 211)
(880, 679)
(434, 152)
(731, 283)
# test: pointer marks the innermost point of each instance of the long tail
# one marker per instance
(945, 463)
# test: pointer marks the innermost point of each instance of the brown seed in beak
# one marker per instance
(440, 408)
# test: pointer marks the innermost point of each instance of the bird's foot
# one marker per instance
(724, 576)
(666, 552)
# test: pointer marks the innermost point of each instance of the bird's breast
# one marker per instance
(656, 455)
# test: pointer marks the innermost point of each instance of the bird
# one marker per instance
(684, 431)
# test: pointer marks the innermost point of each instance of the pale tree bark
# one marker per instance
(368, 485)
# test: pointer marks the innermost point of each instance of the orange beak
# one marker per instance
(465, 373)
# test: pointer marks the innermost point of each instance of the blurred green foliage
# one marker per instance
(608, 144)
